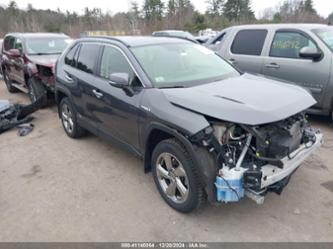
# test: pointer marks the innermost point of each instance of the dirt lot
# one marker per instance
(53, 188)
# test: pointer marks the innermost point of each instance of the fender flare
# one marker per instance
(203, 160)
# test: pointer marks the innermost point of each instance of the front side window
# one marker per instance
(42, 46)
(113, 61)
(88, 57)
(288, 44)
(18, 44)
(249, 42)
(182, 64)
(326, 35)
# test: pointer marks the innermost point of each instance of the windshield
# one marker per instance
(326, 35)
(182, 64)
(40, 46)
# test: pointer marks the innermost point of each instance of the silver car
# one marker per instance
(300, 54)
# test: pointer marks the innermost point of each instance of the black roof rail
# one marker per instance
(106, 37)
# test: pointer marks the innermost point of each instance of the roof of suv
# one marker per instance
(133, 41)
(283, 25)
(38, 35)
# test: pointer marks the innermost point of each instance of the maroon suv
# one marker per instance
(28, 61)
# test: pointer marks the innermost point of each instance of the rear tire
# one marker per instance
(36, 91)
(8, 82)
(68, 118)
(176, 176)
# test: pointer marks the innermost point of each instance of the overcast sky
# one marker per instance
(324, 7)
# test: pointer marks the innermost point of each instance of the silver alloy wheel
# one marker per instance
(172, 177)
(67, 118)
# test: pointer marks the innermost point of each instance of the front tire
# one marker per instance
(69, 119)
(176, 177)
(8, 82)
(37, 92)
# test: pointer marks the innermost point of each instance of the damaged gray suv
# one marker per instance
(202, 128)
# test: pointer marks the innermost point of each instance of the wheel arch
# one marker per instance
(203, 160)
(60, 95)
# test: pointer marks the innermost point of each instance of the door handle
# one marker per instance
(97, 93)
(68, 77)
(273, 66)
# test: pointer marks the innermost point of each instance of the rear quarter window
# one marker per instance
(70, 56)
(249, 42)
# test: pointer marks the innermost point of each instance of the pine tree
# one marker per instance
(330, 19)
(308, 7)
(215, 7)
(238, 10)
(153, 10)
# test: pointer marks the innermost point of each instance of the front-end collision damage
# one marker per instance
(42, 73)
(46, 76)
(252, 160)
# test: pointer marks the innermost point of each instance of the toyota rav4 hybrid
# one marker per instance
(28, 61)
(205, 130)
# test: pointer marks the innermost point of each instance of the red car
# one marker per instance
(28, 61)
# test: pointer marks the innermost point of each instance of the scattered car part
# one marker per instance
(12, 115)
(25, 129)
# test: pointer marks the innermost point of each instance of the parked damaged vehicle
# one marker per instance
(28, 61)
(205, 130)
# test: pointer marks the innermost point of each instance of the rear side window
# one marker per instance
(88, 57)
(70, 56)
(249, 42)
(9, 43)
(288, 44)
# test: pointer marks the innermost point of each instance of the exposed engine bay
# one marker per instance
(253, 160)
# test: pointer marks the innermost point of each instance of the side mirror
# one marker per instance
(310, 53)
(14, 52)
(120, 80)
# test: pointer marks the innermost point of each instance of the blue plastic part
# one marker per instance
(225, 194)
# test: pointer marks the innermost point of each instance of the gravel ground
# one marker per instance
(53, 188)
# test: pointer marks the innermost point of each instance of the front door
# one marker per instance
(284, 62)
(118, 107)
(18, 63)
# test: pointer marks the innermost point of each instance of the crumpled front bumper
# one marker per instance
(272, 174)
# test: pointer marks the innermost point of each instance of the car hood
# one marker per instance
(246, 99)
(44, 60)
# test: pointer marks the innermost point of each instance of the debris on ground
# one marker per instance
(25, 129)
(12, 115)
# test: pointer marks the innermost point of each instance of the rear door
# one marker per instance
(84, 94)
(246, 48)
(284, 62)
